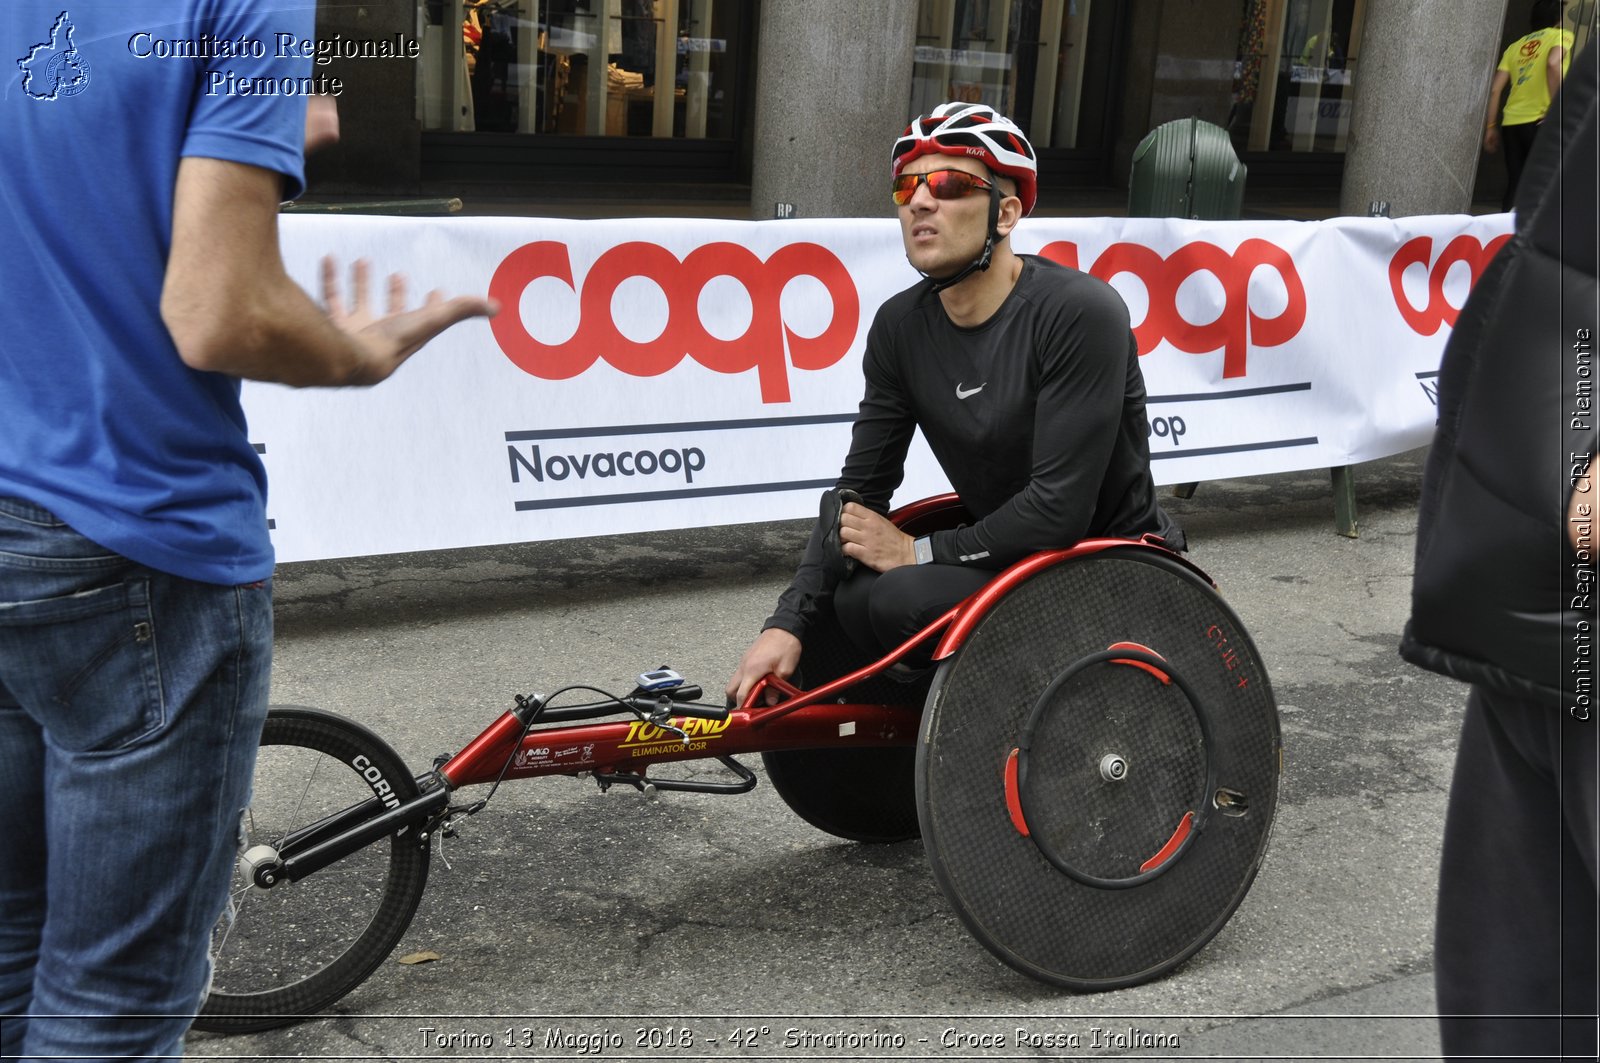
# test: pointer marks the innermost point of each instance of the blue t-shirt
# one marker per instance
(100, 420)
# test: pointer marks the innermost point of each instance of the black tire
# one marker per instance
(861, 795)
(1017, 901)
(293, 950)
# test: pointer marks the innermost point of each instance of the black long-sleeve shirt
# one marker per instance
(1037, 416)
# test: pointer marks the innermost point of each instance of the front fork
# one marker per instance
(314, 847)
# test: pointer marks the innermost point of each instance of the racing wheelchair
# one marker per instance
(1092, 765)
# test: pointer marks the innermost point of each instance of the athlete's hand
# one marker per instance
(387, 341)
(1491, 139)
(873, 539)
(774, 652)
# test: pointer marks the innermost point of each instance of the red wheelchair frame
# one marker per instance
(536, 740)
(617, 750)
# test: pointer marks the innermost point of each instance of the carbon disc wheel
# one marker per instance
(1098, 769)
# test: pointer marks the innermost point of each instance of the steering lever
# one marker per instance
(661, 717)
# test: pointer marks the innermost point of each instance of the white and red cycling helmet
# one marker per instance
(977, 131)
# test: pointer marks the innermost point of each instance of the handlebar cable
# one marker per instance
(537, 712)
(530, 719)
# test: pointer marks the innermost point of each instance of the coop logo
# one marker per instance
(1438, 311)
(1236, 329)
(768, 345)
(55, 69)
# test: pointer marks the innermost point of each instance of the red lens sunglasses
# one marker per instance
(942, 184)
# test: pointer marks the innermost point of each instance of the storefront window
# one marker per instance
(1294, 78)
(1025, 58)
(1581, 20)
(616, 68)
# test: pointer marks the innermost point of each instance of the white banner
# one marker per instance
(653, 374)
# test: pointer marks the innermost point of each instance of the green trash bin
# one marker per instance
(1186, 168)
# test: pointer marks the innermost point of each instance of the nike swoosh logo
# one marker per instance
(967, 393)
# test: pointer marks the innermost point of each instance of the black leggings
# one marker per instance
(1514, 954)
(880, 611)
(1516, 141)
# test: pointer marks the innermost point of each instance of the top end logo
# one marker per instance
(768, 345)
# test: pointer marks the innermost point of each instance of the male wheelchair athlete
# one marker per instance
(1092, 764)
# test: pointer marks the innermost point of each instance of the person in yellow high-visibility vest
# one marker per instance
(1533, 67)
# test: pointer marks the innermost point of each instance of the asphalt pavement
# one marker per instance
(574, 924)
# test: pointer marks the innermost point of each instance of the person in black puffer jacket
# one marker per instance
(1503, 598)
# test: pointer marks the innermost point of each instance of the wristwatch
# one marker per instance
(922, 548)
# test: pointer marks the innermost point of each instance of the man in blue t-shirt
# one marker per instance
(148, 144)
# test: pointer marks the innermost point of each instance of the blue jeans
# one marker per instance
(131, 705)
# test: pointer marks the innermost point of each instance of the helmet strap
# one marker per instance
(981, 263)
